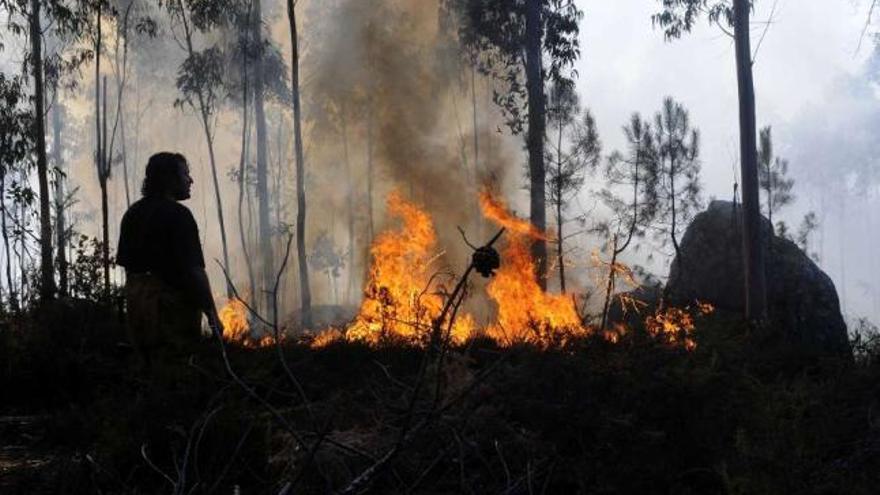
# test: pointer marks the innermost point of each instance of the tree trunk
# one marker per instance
(609, 286)
(60, 226)
(105, 209)
(13, 299)
(209, 140)
(47, 279)
(535, 86)
(305, 293)
(265, 227)
(349, 199)
(753, 254)
(558, 199)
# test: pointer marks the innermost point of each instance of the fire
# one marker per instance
(236, 328)
(526, 314)
(233, 315)
(676, 326)
(401, 299)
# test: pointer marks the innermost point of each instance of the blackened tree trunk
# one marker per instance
(47, 278)
(560, 249)
(105, 207)
(305, 293)
(60, 225)
(753, 255)
(535, 144)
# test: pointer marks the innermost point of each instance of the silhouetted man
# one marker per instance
(167, 289)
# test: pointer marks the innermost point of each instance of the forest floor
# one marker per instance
(740, 413)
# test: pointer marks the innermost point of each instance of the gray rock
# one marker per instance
(802, 299)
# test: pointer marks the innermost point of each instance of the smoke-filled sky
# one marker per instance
(812, 86)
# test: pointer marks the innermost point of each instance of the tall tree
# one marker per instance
(773, 175)
(575, 151)
(200, 79)
(47, 278)
(678, 17)
(262, 171)
(60, 196)
(305, 292)
(678, 170)
(15, 147)
(635, 176)
(512, 40)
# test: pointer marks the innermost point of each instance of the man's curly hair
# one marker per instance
(162, 171)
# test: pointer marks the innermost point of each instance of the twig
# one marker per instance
(154, 467)
(867, 25)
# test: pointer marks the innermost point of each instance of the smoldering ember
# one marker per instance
(439, 246)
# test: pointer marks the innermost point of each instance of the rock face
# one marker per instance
(802, 299)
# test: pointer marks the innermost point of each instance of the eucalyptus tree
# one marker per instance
(575, 152)
(304, 290)
(512, 41)
(631, 195)
(16, 147)
(65, 20)
(678, 17)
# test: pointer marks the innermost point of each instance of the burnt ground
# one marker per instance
(739, 414)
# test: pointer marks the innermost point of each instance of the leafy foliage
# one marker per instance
(493, 37)
(633, 179)
(679, 16)
(773, 174)
(678, 168)
(577, 148)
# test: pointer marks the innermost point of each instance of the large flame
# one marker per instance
(526, 314)
(401, 299)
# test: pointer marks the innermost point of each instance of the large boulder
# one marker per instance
(802, 299)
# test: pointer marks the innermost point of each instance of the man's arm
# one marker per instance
(200, 292)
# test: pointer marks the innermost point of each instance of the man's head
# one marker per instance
(167, 175)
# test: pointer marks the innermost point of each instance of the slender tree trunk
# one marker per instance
(60, 227)
(672, 231)
(105, 209)
(242, 186)
(265, 227)
(305, 293)
(535, 86)
(13, 298)
(753, 254)
(609, 285)
(209, 140)
(558, 200)
(349, 199)
(476, 128)
(47, 279)
(370, 224)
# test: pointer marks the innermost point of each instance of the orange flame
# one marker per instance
(526, 314)
(675, 326)
(401, 299)
(233, 315)
(236, 328)
(495, 210)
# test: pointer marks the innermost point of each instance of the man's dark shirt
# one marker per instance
(160, 236)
